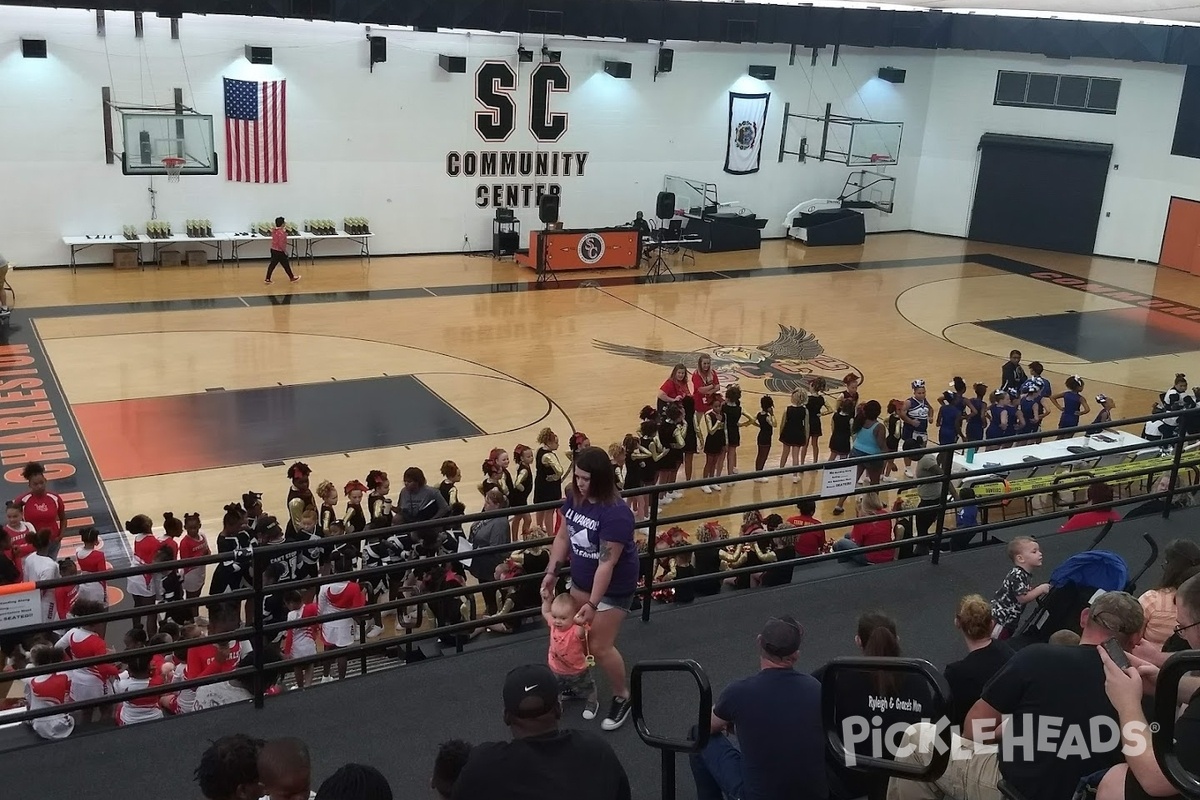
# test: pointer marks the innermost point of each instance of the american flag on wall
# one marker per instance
(256, 131)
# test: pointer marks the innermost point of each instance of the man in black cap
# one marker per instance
(542, 760)
(776, 715)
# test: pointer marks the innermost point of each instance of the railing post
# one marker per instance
(648, 567)
(260, 567)
(1173, 481)
(947, 457)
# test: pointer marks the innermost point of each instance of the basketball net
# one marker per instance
(174, 166)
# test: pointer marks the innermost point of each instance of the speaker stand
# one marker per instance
(658, 269)
(544, 274)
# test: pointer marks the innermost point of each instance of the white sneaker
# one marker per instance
(795, 479)
(706, 489)
(716, 487)
(762, 480)
(908, 473)
(374, 631)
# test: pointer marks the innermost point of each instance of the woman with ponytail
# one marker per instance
(985, 656)
(895, 700)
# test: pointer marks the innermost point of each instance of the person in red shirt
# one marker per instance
(867, 532)
(91, 559)
(1098, 494)
(43, 510)
(808, 543)
(65, 596)
(674, 388)
(279, 256)
(706, 384)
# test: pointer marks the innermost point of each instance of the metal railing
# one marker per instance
(259, 632)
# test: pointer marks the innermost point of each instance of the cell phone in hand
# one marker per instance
(1116, 653)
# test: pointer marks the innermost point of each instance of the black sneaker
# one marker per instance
(591, 708)
(618, 712)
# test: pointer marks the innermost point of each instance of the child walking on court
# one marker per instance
(568, 652)
(279, 256)
(1016, 592)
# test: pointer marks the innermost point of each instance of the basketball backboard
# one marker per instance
(853, 141)
(149, 137)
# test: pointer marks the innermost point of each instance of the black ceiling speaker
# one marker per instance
(453, 63)
(619, 69)
(891, 74)
(762, 72)
(33, 48)
(378, 49)
(259, 55)
(666, 59)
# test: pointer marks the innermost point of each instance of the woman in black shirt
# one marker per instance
(985, 656)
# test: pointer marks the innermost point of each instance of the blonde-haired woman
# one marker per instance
(985, 656)
(547, 477)
(793, 433)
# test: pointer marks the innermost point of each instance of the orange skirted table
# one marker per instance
(601, 248)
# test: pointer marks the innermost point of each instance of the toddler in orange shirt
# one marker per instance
(568, 652)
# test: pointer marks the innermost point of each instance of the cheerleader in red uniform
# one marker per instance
(144, 588)
(90, 558)
(355, 519)
(194, 544)
(139, 674)
(378, 483)
(18, 532)
(86, 641)
(65, 596)
(300, 642)
(47, 691)
(343, 595)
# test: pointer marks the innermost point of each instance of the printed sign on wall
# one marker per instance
(518, 178)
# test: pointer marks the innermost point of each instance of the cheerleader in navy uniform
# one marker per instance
(379, 486)
(842, 423)
(354, 518)
(547, 477)
(733, 426)
(711, 427)
(1001, 418)
(1030, 409)
(522, 485)
(977, 420)
(299, 496)
(765, 419)
(816, 405)
(1072, 404)
(891, 435)
(793, 432)
(949, 418)
(914, 413)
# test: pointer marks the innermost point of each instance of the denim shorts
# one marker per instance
(610, 601)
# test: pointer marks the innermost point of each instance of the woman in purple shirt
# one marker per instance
(595, 536)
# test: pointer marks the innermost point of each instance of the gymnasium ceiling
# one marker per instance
(1158, 10)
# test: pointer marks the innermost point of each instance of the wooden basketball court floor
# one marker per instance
(190, 386)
